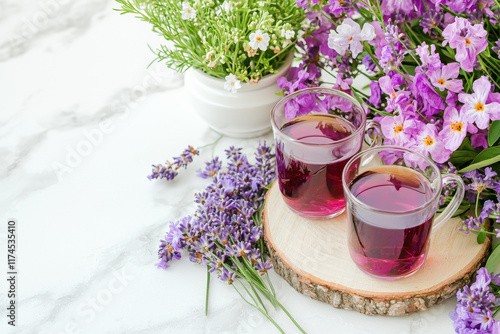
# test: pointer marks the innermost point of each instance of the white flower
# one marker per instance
(288, 34)
(188, 12)
(306, 23)
(209, 55)
(227, 6)
(300, 36)
(350, 35)
(232, 84)
(259, 40)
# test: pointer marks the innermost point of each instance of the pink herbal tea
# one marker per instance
(392, 244)
(311, 183)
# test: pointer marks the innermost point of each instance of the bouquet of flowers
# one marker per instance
(241, 41)
(434, 72)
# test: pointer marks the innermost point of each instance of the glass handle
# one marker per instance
(377, 140)
(455, 201)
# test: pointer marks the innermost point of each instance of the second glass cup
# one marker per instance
(392, 196)
(316, 131)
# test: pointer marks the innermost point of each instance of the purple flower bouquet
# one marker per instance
(434, 85)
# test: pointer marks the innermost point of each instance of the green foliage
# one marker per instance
(216, 39)
(493, 260)
(481, 237)
(494, 133)
(465, 154)
(463, 208)
(485, 158)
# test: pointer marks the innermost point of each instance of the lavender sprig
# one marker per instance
(169, 170)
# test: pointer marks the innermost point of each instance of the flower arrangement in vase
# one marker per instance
(235, 52)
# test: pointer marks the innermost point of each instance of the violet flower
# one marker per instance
(461, 6)
(432, 102)
(478, 140)
(390, 87)
(429, 58)
(445, 78)
(399, 129)
(375, 98)
(468, 40)
(454, 128)
(476, 107)
(428, 142)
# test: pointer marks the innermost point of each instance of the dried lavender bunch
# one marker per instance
(225, 232)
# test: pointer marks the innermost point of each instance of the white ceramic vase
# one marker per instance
(244, 114)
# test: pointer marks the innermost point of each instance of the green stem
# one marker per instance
(487, 72)
(206, 295)
(328, 17)
(282, 51)
(482, 231)
(359, 92)
(261, 311)
(446, 9)
(369, 51)
(328, 72)
(271, 286)
(211, 144)
(290, 317)
(477, 202)
(258, 297)
(496, 311)
(367, 76)
(260, 58)
(385, 113)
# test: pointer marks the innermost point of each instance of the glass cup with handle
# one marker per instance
(392, 195)
(316, 131)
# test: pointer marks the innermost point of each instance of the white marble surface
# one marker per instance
(89, 222)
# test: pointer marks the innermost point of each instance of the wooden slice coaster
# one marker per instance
(312, 256)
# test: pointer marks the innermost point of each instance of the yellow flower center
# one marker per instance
(457, 126)
(441, 81)
(188, 10)
(259, 39)
(467, 41)
(428, 141)
(350, 39)
(479, 106)
(398, 128)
